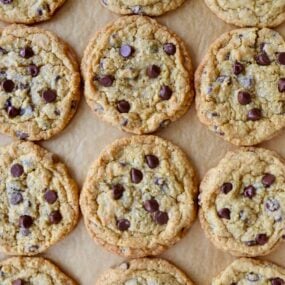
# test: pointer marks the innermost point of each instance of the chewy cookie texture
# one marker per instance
(39, 83)
(240, 86)
(243, 201)
(39, 200)
(144, 271)
(250, 271)
(138, 197)
(33, 271)
(138, 75)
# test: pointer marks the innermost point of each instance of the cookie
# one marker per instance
(28, 12)
(39, 83)
(243, 202)
(31, 270)
(141, 7)
(248, 271)
(249, 13)
(144, 271)
(137, 75)
(240, 86)
(138, 197)
(39, 200)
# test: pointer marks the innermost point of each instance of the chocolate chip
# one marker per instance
(136, 175)
(25, 221)
(165, 92)
(118, 191)
(153, 71)
(123, 224)
(272, 205)
(55, 217)
(8, 85)
(254, 114)
(281, 85)
(226, 187)
(13, 112)
(26, 52)
(252, 277)
(21, 135)
(152, 161)
(281, 58)
(244, 97)
(6, 1)
(16, 198)
(151, 205)
(49, 95)
(277, 281)
(224, 213)
(18, 281)
(50, 196)
(2, 50)
(33, 70)
(268, 179)
(262, 59)
(261, 239)
(249, 191)
(161, 218)
(17, 170)
(238, 68)
(106, 80)
(123, 106)
(126, 51)
(169, 48)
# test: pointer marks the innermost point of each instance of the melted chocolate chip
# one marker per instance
(151, 205)
(153, 71)
(161, 218)
(33, 70)
(126, 51)
(50, 196)
(13, 112)
(244, 98)
(17, 170)
(106, 80)
(25, 221)
(226, 187)
(268, 179)
(238, 68)
(123, 224)
(118, 191)
(152, 161)
(272, 205)
(26, 52)
(8, 85)
(281, 58)
(136, 175)
(18, 281)
(123, 106)
(261, 239)
(224, 213)
(249, 191)
(254, 114)
(165, 92)
(16, 198)
(281, 85)
(169, 48)
(277, 281)
(49, 95)
(55, 217)
(262, 59)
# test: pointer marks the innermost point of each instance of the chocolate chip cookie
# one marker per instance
(141, 7)
(39, 83)
(138, 75)
(243, 202)
(144, 271)
(28, 12)
(240, 86)
(251, 271)
(31, 270)
(138, 197)
(249, 13)
(39, 200)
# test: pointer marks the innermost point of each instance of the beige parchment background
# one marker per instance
(85, 137)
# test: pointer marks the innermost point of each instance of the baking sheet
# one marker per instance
(85, 137)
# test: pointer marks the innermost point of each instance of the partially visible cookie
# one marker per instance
(139, 196)
(28, 12)
(251, 271)
(31, 270)
(39, 83)
(142, 7)
(249, 13)
(138, 75)
(240, 86)
(243, 202)
(144, 271)
(38, 198)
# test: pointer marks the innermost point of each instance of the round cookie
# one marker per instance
(31, 270)
(28, 12)
(138, 197)
(243, 202)
(249, 13)
(39, 200)
(39, 83)
(144, 271)
(240, 86)
(248, 271)
(138, 75)
(141, 7)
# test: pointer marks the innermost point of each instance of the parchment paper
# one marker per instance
(86, 136)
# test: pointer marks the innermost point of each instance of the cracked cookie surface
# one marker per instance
(138, 197)
(27, 11)
(144, 271)
(249, 13)
(39, 83)
(39, 200)
(142, 7)
(240, 86)
(138, 75)
(243, 202)
(248, 271)
(32, 271)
